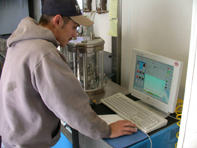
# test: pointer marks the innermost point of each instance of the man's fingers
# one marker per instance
(127, 133)
(130, 129)
(128, 123)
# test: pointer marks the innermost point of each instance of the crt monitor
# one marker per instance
(155, 79)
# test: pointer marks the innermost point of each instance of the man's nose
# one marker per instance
(75, 34)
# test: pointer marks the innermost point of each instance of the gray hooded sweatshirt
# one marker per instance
(37, 88)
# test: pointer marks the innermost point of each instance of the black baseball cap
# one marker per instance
(68, 8)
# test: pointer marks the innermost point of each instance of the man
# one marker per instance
(37, 88)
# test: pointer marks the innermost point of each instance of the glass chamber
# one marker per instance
(85, 58)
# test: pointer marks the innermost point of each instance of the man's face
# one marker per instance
(66, 32)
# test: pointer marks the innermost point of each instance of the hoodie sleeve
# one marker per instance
(63, 95)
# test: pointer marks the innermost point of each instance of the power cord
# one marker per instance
(151, 144)
(178, 112)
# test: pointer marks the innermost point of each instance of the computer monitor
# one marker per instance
(155, 79)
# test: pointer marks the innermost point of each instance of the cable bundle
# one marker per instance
(178, 112)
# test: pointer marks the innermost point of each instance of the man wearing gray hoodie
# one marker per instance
(37, 88)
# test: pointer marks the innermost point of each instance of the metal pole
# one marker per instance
(75, 138)
(85, 77)
(116, 49)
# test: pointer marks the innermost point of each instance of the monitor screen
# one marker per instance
(155, 79)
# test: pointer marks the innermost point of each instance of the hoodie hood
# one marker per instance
(29, 29)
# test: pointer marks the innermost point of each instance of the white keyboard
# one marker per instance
(125, 107)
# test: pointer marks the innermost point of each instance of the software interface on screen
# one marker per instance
(153, 78)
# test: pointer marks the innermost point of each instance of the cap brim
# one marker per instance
(81, 20)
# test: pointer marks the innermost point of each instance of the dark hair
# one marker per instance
(45, 19)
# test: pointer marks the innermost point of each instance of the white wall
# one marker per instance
(159, 26)
(102, 25)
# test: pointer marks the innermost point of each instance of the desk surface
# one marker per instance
(109, 89)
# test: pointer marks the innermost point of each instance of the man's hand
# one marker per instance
(122, 127)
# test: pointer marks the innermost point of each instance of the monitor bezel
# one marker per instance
(167, 108)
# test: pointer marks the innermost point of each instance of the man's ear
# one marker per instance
(58, 21)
